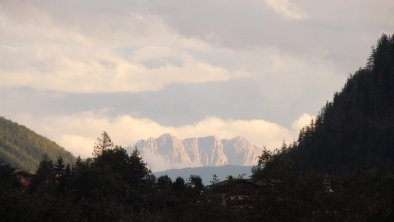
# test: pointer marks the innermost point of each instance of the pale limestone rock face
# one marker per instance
(204, 151)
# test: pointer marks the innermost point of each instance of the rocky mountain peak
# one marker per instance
(202, 151)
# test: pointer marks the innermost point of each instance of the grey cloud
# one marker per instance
(175, 105)
(334, 29)
(315, 54)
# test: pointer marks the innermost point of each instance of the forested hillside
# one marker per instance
(356, 130)
(23, 148)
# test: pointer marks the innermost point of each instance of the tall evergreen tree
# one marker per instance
(137, 168)
(59, 167)
(103, 143)
(44, 179)
(60, 174)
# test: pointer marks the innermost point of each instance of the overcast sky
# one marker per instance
(140, 68)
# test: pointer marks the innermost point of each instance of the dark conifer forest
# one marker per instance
(340, 169)
(356, 130)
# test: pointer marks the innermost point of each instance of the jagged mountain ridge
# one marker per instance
(203, 151)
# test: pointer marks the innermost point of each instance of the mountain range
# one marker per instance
(168, 151)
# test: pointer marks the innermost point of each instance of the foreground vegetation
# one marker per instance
(114, 186)
(111, 186)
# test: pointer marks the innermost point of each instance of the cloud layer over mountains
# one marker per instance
(78, 132)
(141, 68)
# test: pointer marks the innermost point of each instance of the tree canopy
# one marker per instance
(354, 131)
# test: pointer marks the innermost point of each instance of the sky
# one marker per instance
(260, 69)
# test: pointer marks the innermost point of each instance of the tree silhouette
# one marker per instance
(103, 143)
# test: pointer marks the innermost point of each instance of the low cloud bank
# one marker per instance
(78, 132)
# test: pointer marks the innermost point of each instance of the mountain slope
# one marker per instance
(21, 147)
(356, 130)
(204, 151)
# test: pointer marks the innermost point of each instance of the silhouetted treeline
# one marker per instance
(115, 186)
(111, 186)
(314, 196)
(342, 166)
(356, 130)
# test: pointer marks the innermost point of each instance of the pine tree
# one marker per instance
(59, 167)
(137, 168)
(68, 170)
(103, 143)
(44, 178)
(60, 174)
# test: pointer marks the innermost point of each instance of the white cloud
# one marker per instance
(60, 57)
(78, 132)
(286, 9)
(303, 120)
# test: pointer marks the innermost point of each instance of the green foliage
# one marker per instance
(23, 148)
